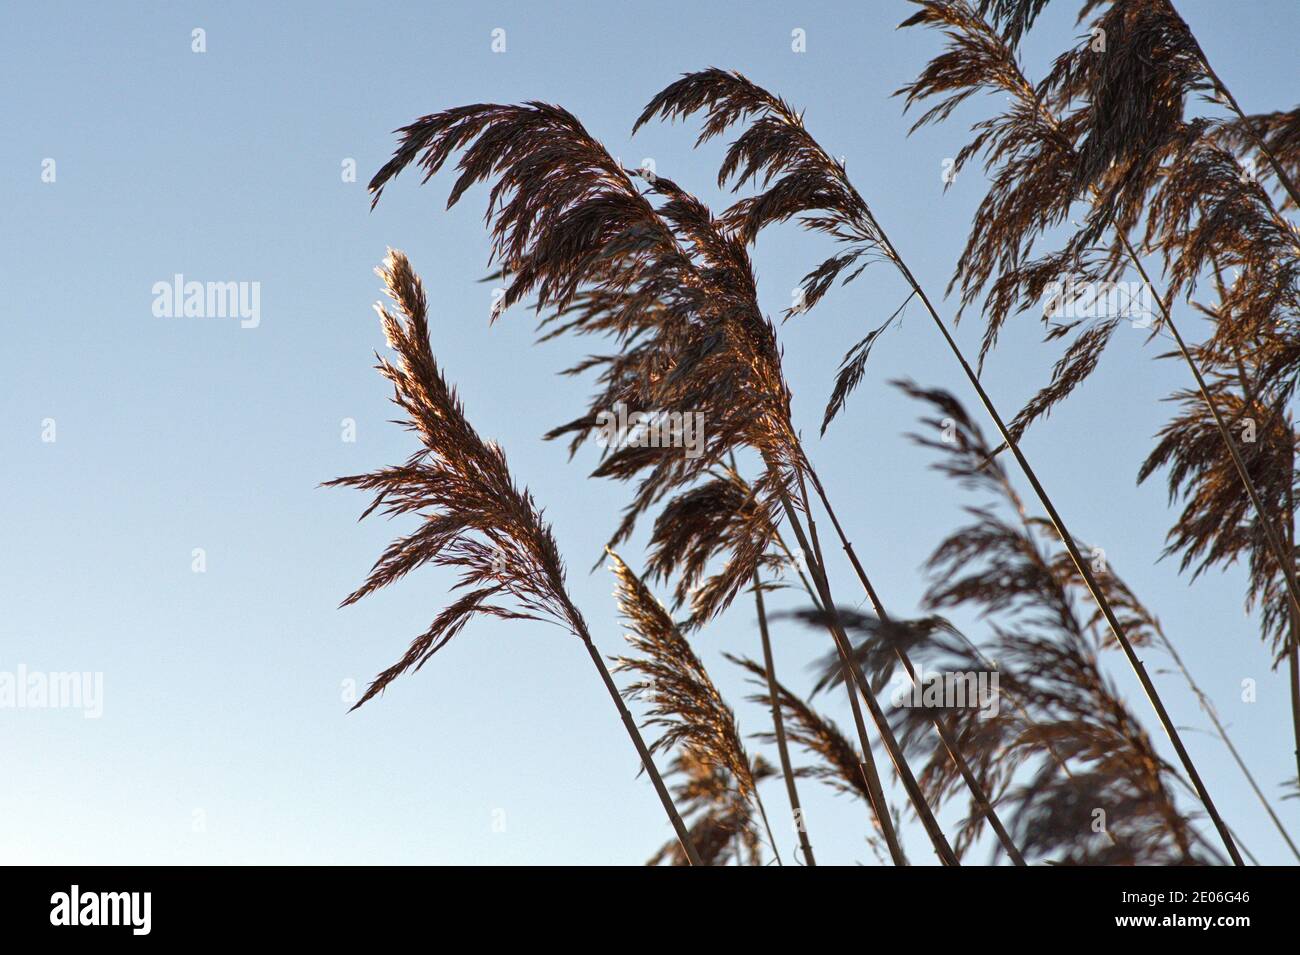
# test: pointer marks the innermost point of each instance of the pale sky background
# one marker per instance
(223, 689)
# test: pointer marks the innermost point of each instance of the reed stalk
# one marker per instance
(950, 745)
(475, 519)
(647, 761)
(864, 761)
(1207, 706)
(778, 727)
(1148, 687)
(811, 549)
(1282, 555)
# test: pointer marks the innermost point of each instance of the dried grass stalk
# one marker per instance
(474, 518)
(684, 703)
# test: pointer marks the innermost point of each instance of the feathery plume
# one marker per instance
(474, 517)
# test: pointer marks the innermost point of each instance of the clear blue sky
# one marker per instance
(222, 690)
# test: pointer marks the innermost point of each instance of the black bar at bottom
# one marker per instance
(370, 904)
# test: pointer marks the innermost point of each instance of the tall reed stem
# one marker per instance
(758, 801)
(949, 744)
(867, 761)
(868, 765)
(1222, 733)
(778, 726)
(683, 835)
(854, 677)
(1080, 564)
(1294, 667)
(1285, 564)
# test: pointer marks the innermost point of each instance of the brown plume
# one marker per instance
(473, 516)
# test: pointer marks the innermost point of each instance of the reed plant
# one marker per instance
(641, 263)
(474, 518)
(1109, 125)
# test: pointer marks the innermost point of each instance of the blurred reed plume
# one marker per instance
(721, 823)
(1062, 743)
(1067, 719)
(1109, 124)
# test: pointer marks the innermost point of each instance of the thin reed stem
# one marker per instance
(816, 567)
(778, 725)
(867, 761)
(758, 801)
(949, 744)
(1294, 662)
(1294, 667)
(683, 834)
(1208, 707)
(1080, 564)
(845, 674)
